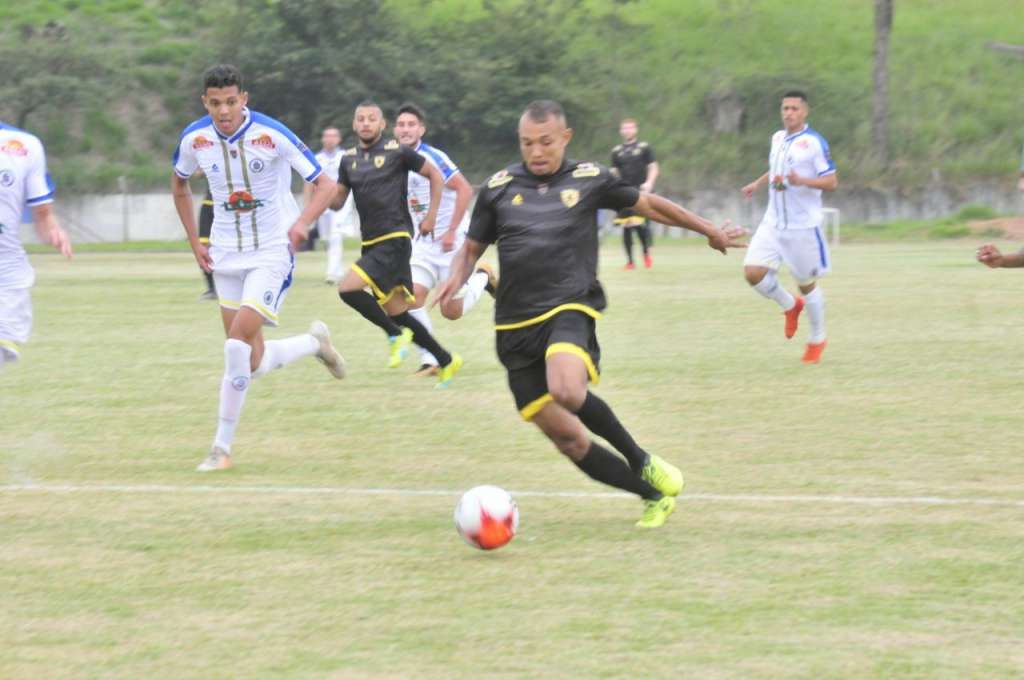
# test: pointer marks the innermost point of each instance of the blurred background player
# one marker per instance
(634, 162)
(329, 225)
(542, 214)
(205, 225)
(376, 173)
(24, 180)
(432, 255)
(800, 167)
(248, 158)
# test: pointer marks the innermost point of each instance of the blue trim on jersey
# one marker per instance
(821, 248)
(316, 173)
(240, 131)
(447, 170)
(289, 135)
(205, 121)
(45, 197)
(824, 150)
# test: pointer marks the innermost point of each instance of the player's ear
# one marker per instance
(244, 97)
(567, 135)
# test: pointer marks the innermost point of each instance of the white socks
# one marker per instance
(280, 353)
(423, 317)
(334, 255)
(233, 388)
(473, 289)
(770, 288)
(815, 305)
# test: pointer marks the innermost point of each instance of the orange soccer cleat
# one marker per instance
(648, 260)
(629, 267)
(812, 355)
(793, 315)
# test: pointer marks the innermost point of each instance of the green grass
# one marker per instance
(916, 396)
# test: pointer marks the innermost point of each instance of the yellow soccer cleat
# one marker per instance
(445, 375)
(663, 476)
(399, 347)
(656, 512)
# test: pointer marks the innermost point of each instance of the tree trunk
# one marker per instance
(880, 113)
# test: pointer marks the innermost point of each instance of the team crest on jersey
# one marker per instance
(586, 170)
(264, 141)
(242, 201)
(234, 153)
(498, 179)
(201, 142)
(570, 197)
(256, 165)
(6, 178)
(391, 146)
(14, 148)
(517, 199)
(378, 161)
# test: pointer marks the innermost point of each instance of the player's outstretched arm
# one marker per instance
(463, 195)
(664, 211)
(339, 197)
(324, 189)
(990, 256)
(430, 171)
(182, 194)
(49, 229)
(748, 191)
(463, 264)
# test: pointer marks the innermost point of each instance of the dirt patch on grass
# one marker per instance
(1007, 227)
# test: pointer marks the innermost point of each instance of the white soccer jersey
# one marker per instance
(805, 152)
(419, 190)
(330, 162)
(249, 174)
(23, 181)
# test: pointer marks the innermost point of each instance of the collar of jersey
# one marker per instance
(246, 122)
(799, 132)
(543, 178)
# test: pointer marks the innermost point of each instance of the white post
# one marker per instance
(122, 186)
(830, 219)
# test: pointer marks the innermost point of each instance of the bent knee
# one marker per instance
(753, 275)
(568, 394)
(452, 312)
(572, 445)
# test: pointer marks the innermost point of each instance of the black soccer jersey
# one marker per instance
(378, 177)
(546, 231)
(631, 160)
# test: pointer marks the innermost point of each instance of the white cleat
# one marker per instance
(327, 354)
(219, 459)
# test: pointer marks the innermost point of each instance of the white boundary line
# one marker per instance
(352, 491)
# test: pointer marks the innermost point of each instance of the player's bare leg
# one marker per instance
(815, 302)
(766, 282)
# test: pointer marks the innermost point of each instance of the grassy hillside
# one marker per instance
(955, 104)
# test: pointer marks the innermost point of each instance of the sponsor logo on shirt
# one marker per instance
(263, 141)
(416, 206)
(803, 144)
(393, 144)
(586, 170)
(201, 142)
(499, 178)
(242, 201)
(14, 148)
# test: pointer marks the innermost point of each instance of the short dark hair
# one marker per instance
(796, 94)
(222, 75)
(409, 107)
(369, 104)
(541, 109)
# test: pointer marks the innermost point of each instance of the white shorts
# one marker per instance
(328, 222)
(15, 320)
(430, 264)
(803, 251)
(256, 279)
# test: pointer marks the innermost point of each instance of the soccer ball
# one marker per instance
(486, 517)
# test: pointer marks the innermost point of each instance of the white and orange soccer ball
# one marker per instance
(486, 517)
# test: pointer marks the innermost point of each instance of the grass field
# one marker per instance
(807, 547)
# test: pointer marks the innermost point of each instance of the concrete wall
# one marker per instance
(138, 217)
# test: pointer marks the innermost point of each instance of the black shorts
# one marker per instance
(523, 351)
(205, 221)
(384, 266)
(629, 218)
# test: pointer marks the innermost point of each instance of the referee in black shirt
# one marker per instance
(376, 172)
(542, 214)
